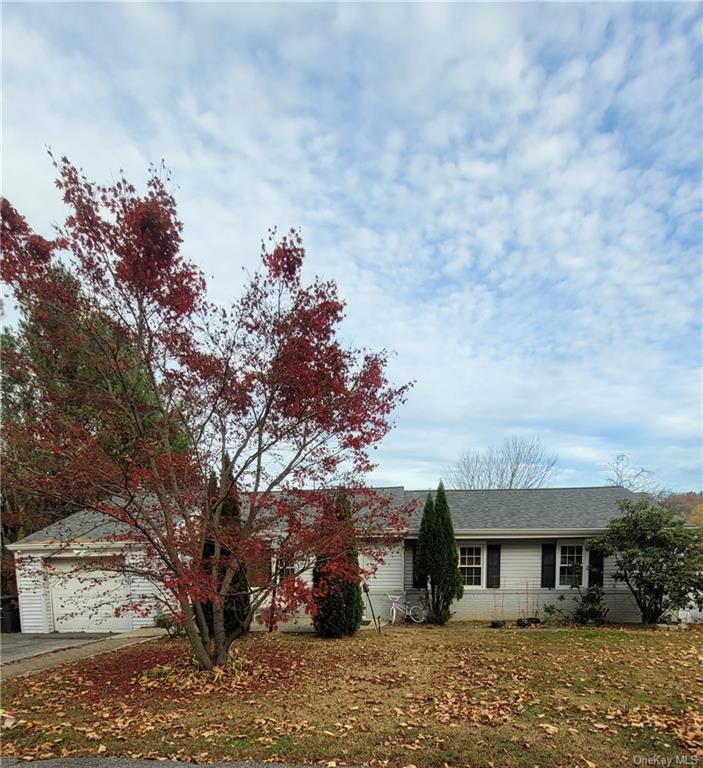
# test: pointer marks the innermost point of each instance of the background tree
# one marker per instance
(437, 558)
(339, 604)
(622, 472)
(177, 384)
(688, 504)
(520, 462)
(66, 369)
(657, 556)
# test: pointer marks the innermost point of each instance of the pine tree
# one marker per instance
(423, 551)
(437, 558)
(339, 602)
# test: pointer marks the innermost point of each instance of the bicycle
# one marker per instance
(413, 612)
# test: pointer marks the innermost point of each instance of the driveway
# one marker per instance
(15, 646)
(29, 654)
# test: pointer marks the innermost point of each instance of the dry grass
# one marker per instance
(413, 696)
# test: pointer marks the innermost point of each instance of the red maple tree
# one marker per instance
(262, 393)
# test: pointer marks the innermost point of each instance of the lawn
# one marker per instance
(422, 696)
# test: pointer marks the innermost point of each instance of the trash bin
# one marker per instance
(9, 614)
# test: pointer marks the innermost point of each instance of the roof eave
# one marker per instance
(518, 533)
(53, 544)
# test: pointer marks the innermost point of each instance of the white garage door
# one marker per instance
(85, 600)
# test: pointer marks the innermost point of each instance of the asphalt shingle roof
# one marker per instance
(526, 509)
(497, 510)
(84, 526)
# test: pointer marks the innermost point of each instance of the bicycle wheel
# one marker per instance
(393, 614)
(417, 614)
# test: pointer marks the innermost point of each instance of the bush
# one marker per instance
(590, 608)
(339, 605)
(166, 621)
(340, 608)
(437, 559)
(658, 555)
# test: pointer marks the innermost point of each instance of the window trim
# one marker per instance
(281, 567)
(558, 564)
(481, 546)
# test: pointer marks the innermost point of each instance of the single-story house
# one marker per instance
(519, 550)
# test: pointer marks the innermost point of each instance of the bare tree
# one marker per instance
(520, 462)
(622, 472)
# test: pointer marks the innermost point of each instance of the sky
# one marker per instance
(508, 196)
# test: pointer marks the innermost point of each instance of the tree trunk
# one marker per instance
(218, 626)
(202, 626)
(222, 652)
(196, 643)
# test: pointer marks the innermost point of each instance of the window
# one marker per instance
(285, 571)
(470, 565)
(571, 565)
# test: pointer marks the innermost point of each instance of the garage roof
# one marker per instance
(81, 526)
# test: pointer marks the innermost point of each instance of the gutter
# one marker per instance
(517, 533)
(67, 546)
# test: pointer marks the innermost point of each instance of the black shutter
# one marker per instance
(493, 566)
(595, 568)
(549, 563)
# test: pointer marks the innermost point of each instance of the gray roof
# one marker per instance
(81, 526)
(529, 509)
(496, 510)
(90, 525)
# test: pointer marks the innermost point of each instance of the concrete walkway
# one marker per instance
(17, 646)
(83, 650)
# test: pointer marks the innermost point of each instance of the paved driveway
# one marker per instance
(29, 654)
(15, 646)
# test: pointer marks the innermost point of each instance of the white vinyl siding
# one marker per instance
(388, 579)
(389, 575)
(33, 591)
(143, 593)
(521, 593)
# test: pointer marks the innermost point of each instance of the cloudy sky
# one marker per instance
(508, 196)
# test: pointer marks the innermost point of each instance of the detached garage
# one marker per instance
(64, 586)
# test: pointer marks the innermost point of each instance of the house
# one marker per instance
(519, 550)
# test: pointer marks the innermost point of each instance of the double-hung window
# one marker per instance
(571, 565)
(285, 571)
(470, 565)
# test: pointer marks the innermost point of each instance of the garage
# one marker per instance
(63, 583)
(84, 598)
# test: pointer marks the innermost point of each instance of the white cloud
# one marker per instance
(507, 195)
